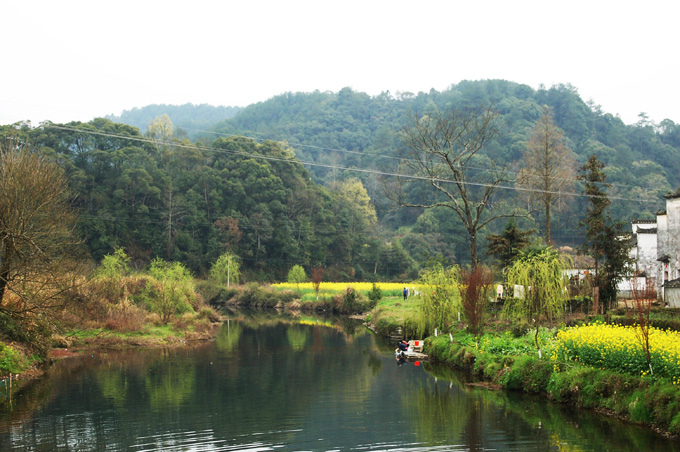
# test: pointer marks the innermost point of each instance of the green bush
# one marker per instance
(11, 361)
(375, 294)
(351, 301)
(528, 374)
(639, 411)
(519, 328)
(34, 330)
(255, 295)
(169, 291)
(215, 293)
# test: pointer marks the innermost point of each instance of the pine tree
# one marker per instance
(606, 242)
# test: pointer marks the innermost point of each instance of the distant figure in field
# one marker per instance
(405, 292)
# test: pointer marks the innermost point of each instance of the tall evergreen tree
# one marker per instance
(506, 246)
(606, 242)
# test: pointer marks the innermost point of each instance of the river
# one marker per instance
(273, 382)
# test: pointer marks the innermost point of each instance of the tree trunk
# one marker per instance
(547, 223)
(473, 249)
(4, 271)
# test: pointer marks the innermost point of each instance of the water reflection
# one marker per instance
(293, 382)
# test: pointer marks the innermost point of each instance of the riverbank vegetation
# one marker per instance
(598, 373)
(113, 307)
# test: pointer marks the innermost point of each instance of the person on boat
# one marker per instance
(403, 346)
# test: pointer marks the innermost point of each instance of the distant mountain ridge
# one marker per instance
(188, 117)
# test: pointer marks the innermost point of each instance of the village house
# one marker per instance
(645, 255)
(656, 252)
(668, 249)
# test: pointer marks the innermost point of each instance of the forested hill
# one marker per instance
(354, 129)
(302, 179)
(188, 119)
(354, 121)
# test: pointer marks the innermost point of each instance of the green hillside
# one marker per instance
(302, 177)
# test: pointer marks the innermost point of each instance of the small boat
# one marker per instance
(414, 351)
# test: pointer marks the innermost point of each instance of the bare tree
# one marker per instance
(550, 166)
(442, 148)
(642, 307)
(474, 291)
(37, 242)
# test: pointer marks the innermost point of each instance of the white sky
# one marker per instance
(76, 60)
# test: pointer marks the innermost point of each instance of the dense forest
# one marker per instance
(305, 178)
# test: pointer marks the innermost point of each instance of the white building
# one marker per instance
(657, 251)
(668, 245)
(645, 247)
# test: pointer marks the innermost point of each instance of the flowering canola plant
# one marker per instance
(330, 288)
(617, 348)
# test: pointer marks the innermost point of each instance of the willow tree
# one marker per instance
(539, 275)
(441, 299)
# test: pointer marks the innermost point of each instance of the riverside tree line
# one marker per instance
(160, 195)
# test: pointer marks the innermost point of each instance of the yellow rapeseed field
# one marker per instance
(340, 286)
(619, 348)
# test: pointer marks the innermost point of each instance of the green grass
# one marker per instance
(150, 331)
(394, 311)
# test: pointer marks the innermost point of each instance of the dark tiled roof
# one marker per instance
(646, 231)
(672, 195)
(665, 258)
(643, 221)
(672, 284)
(661, 212)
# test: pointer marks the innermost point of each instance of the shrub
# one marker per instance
(529, 374)
(126, 318)
(11, 361)
(35, 330)
(351, 301)
(375, 294)
(257, 296)
(474, 293)
(172, 290)
(215, 293)
(208, 313)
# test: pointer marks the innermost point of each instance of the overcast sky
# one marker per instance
(76, 60)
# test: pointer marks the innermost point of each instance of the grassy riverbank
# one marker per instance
(23, 363)
(512, 363)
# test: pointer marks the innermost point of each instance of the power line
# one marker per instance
(388, 157)
(338, 167)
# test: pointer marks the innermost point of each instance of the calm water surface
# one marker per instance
(274, 383)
